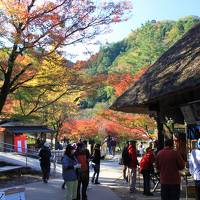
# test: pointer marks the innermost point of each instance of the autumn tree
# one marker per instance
(53, 95)
(56, 115)
(42, 27)
(53, 81)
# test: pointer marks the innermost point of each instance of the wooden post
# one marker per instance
(160, 132)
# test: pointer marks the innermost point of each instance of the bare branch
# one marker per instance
(17, 76)
(37, 102)
(2, 69)
(36, 108)
(31, 5)
(19, 84)
(21, 107)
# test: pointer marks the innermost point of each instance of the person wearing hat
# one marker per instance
(70, 166)
(194, 168)
(44, 157)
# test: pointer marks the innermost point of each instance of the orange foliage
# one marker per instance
(121, 82)
(77, 128)
(9, 106)
(109, 122)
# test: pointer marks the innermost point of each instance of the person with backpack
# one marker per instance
(125, 161)
(146, 168)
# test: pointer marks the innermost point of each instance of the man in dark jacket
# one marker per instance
(169, 162)
(45, 156)
(96, 157)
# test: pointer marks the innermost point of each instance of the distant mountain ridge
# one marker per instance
(126, 58)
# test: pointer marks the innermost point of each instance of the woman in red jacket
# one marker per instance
(132, 165)
(146, 168)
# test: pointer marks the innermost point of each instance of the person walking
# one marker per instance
(70, 166)
(58, 146)
(194, 168)
(132, 165)
(141, 149)
(96, 157)
(83, 175)
(45, 157)
(113, 144)
(108, 141)
(125, 161)
(146, 168)
(169, 162)
(91, 143)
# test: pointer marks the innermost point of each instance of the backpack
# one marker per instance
(146, 163)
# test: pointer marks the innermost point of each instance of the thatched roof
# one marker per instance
(177, 70)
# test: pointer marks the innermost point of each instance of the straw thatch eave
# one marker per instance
(176, 71)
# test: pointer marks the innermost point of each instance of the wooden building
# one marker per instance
(15, 134)
(170, 88)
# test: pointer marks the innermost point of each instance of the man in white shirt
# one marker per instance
(194, 167)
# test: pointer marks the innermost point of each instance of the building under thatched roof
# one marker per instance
(173, 80)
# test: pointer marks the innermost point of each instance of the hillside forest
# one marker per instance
(74, 98)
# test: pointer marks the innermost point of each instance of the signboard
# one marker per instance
(191, 112)
(188, 114)
(20, 143)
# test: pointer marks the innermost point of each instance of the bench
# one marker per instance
(11, 168)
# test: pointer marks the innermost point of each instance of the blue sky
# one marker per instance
(144, 10)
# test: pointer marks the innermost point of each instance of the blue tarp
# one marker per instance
(29, 130)
(193, 132)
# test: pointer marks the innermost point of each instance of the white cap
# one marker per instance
(46, 144)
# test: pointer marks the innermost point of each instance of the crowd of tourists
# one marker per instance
(165, 164)
(75, 164)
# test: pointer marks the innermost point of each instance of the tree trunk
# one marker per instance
(4, 94)
(56, 136)
(5, 89)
